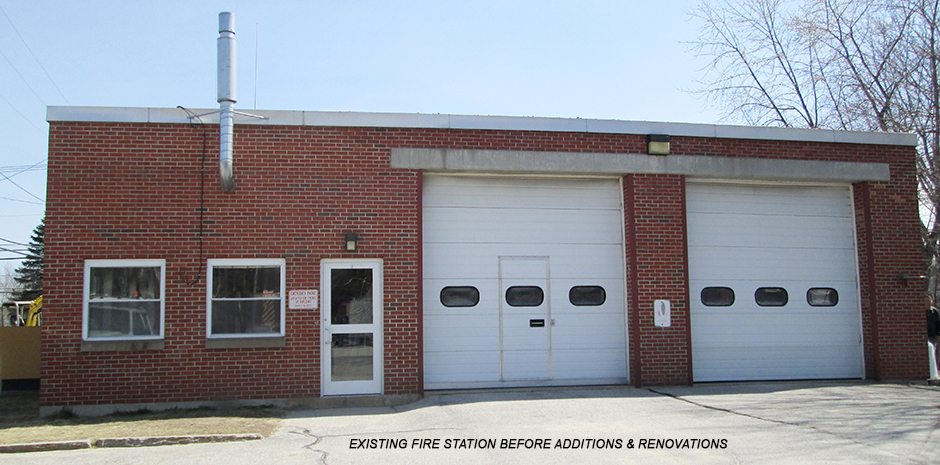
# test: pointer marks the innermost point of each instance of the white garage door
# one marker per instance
(523, 282)
(773, 282)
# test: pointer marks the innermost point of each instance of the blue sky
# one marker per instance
(592, 59)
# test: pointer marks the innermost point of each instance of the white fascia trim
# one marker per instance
(498, 123)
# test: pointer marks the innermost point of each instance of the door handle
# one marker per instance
(540, 323)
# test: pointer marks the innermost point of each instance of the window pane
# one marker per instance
(587, 296)
(351, 357)
(771, 296)
(822, 297)
(246, 281)
(351, 296)
(717, 296)
(524, 296)
(460, 296)
(114, 319)
(125, 283)
(246, 316)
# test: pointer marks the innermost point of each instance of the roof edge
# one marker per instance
(445, 121)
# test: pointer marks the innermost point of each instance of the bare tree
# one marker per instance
(868, 65)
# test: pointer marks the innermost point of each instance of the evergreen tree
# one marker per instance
(29, 274)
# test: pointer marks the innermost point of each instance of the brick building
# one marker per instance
(386, 254)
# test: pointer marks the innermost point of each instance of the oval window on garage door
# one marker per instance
(460, 296)
(587, 296)
(822, 297)
(717, 296)
(524, 296)
(771, 296)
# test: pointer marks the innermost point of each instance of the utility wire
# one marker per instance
(21, 201)
(49, 77)
(21, 187)
(13, 242)
(28, 168)
(14, 251)
(18, 112)
(4, 55)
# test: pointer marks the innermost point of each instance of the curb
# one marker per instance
(126, 442)
(44, 446)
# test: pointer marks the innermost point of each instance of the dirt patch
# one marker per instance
(19, 422)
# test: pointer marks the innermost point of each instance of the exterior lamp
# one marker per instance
(657, 144)
(352, 241)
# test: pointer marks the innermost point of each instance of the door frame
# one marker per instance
(377, 384)
(549, 321)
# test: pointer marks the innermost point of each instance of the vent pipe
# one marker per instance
(226, 97)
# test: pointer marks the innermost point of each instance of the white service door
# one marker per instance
(565, 233)
(748, 237)
(352, 326)
(525, 318)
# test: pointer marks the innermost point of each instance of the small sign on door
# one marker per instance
(303, 299)
(662, 313)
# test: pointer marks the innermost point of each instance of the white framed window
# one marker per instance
(123, 299)
(245, 298)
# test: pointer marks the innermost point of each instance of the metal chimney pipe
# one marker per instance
(226, 97)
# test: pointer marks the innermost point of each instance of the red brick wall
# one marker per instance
(654, 217)
(127, 190)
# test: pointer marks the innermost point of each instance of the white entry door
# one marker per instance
(525, 318)
(352, 326)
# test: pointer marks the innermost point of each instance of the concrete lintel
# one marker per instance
(702, 166)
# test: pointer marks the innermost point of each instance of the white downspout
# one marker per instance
(226, 98)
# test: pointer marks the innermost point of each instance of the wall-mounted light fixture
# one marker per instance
(352, 241)
(657, 144)
(904, 277)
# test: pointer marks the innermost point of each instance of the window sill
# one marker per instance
(273, 342)
(121, 346)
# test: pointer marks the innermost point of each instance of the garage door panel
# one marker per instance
(478, 261)
(536, 193)
(776, 364)
(460, 332)
(730, 230)
(590, 363)
(536, 226)
(770, 263)
(773, 200)
(795, 237)
(461, 367)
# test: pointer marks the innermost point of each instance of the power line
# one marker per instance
(21, 201)
(14, 242)
(18, 112)
(14, 251)
(21, 187)
(49, 77)
(4, 55)
(17, 169)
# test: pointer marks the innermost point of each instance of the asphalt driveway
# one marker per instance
(802, 422)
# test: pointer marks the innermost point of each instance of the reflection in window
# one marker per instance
(587, 296)
(524, 296)
(351, 296)
(460, 296)
(822, 297)
(245, 298)
(125, 299)
(771, 296)
(717, 296)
